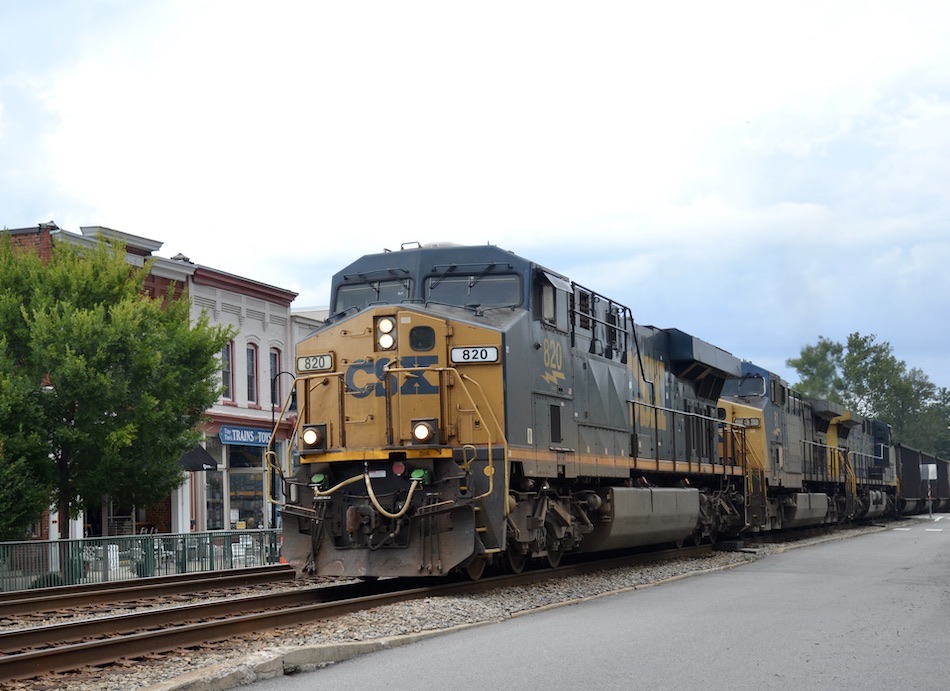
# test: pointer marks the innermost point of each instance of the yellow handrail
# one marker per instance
(490, 469)
(273, 462)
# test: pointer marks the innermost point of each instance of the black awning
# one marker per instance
(197, 459)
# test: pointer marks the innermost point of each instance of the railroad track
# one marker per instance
(43, 650)
(76, 596)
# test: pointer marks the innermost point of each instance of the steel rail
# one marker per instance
(65, 597)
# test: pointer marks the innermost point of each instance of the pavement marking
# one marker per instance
(901, 530)
(933, 530)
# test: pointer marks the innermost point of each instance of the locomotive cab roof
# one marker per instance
(468, 276)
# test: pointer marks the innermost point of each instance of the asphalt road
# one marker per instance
(871, 612)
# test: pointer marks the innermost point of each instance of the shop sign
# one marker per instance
(245, 436)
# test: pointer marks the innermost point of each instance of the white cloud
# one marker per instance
(667, 155)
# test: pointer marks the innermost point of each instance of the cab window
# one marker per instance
(482, 291)
(553, 301)
(360, 295)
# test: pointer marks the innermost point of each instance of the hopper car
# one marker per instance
(924, 481)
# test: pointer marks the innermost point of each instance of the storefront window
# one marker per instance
(246, 480)
(245, 456)
(247, 500)
(214, 490)
(235, 495)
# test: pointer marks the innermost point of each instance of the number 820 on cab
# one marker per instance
(472, 354)
(315, 363)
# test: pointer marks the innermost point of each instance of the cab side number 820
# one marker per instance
(475, 354)
(315, 363)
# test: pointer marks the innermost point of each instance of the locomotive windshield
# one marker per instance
(359, 295)
(747, 386)
(481, 291)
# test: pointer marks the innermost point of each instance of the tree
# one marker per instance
(929, 431)
(819, 367)
(26, 472)
(126, 377)
(867, 378)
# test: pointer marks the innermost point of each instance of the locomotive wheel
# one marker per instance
(555, 550)
(475, 568)
(515, 559)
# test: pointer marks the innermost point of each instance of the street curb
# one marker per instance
(276, 663)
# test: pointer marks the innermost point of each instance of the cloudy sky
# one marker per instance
(755, 173)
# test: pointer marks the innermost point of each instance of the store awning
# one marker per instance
(197, 459)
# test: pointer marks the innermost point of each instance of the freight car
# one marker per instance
(924, 481)
(465, 407)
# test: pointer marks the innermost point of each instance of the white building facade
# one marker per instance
(231, 490)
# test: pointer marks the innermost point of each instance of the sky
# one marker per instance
(757, 174)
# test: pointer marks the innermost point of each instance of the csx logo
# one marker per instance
(365, 378)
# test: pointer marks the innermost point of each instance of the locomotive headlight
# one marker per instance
(386, 333)
(314, 437)
(424, 431)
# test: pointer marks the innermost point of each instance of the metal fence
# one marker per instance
(48, 563)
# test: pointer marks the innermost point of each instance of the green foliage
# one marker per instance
(819, 368)
(866, 377)
(129, 376)
(26, 472)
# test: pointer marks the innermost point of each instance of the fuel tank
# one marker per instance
(633, 516)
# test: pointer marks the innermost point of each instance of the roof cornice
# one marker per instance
(213, 278)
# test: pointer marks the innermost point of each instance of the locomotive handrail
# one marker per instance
(872, 456)
(619, 311)
(491, 462)
(852, 477)
(462, 378)
(686, 413)
(271, 461)
(746, 453)
(832, 451)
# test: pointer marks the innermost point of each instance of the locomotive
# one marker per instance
(463, 407)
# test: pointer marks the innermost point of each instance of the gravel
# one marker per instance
(268, 653)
